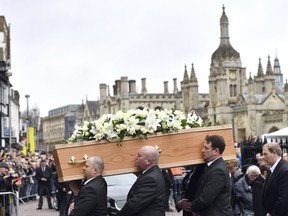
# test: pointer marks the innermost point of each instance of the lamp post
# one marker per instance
(27, 122)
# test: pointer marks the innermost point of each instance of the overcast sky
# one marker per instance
(61, 50)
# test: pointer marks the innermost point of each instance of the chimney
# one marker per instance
(166, 91)
(117, 87)
(124, 87)
(132, 86)
(175, 89)
(144, 90)
(103, 92)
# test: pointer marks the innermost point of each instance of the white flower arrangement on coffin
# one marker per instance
(135, 123)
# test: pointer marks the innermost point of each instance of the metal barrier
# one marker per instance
(28, 188)
(9, 203)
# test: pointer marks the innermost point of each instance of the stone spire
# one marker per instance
(286, 98)
(250, 80)
(278, 76)
(260, 69)
(277, 68)
(224, 22)
(251, 91)
(269, 70)
(186, 77)
(193, 77)
(286, 86)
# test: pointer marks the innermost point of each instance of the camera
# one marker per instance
(12, 175)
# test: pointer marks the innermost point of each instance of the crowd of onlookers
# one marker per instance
(18, 174)
(248, 182)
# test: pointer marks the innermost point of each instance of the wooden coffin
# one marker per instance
(177, 149)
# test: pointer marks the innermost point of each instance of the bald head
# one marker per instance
(98, 162)
(147, 157)
(93, 167)
(151, 152)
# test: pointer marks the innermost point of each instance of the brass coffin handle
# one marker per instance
(73, 161)
(158, 149)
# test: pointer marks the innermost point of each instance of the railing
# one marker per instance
(9, 204)
(28, 188)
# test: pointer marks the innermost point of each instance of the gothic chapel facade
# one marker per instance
(255, 105)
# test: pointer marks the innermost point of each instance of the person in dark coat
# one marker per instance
(72, 194)
(189, 187)
(168, 177)
(5, 186)
(92, 197)
(257, 188)
(214, 191)
(8, 183)
(275, 196)
(233, 168)
(43, 176)
(243, 191)
(61, 195)
(147, 195)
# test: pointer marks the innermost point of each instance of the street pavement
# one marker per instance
(29, 209)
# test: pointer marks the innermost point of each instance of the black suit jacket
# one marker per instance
(257, 188)
(146, 196)
(46, 174)
(189, 187)
(275, 192)
(214, 191)
(92, 199)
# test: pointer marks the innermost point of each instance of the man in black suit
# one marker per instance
(147, 195)
(275, 195)
(188, 190)
(214, 187)
(92, 197)
(43, 175)
(61, 195)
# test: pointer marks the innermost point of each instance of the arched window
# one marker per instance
(274, 128)
(158, 107)
(233, 90)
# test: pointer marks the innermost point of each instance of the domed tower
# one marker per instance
(227, 78)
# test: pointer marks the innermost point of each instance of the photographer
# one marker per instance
(8, 182)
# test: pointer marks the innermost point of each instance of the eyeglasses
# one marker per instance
(253, 176)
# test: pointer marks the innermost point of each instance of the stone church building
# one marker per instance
(253, 105)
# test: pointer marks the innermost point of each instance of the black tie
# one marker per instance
(269, 174)
(140, 174)
(206, 167)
